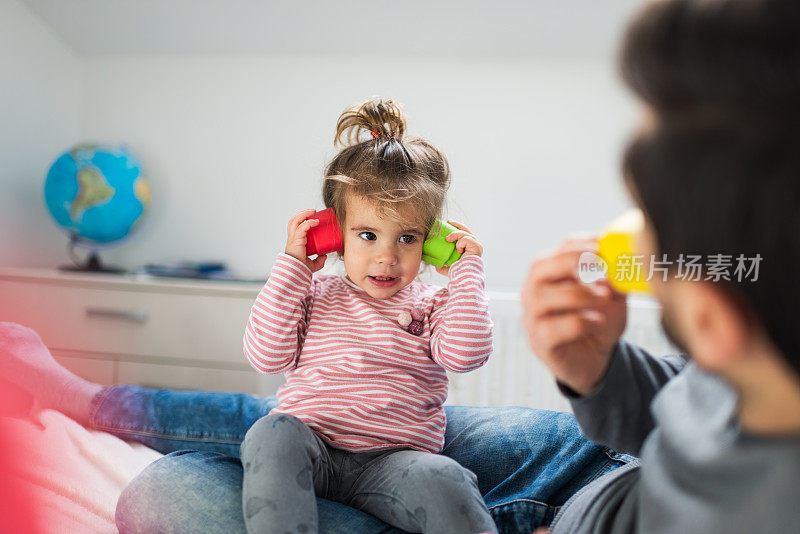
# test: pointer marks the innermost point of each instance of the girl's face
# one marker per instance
(381, 255)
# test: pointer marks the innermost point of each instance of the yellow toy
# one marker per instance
(627, 269)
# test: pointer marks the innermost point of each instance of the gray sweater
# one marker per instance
(699, 472)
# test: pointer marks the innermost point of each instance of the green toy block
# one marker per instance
(436, 250)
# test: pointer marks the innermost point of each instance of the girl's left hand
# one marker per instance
(466, 243)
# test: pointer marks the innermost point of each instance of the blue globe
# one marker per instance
(97, 193)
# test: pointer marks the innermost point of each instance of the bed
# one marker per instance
(73, 475)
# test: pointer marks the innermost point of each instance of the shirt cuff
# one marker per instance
(601, 389)
(293, 267)
(291, 260)
(464, 266)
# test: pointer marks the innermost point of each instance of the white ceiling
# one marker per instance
(413, 28)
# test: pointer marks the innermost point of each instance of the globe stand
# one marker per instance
(92, 264)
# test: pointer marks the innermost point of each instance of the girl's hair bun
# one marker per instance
(378, 119)
(403, 175)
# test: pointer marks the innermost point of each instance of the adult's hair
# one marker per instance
(404, 176)
(718, 168)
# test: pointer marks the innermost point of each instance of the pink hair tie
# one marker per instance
(375, 134)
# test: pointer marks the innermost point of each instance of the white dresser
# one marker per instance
(159, 332)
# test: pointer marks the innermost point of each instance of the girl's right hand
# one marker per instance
(297, 231)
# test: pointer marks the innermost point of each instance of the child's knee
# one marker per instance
(443, 496)
(437, 476)
(274, 434)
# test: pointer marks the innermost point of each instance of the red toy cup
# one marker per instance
(326, 237)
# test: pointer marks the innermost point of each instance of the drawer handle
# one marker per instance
(123, 315)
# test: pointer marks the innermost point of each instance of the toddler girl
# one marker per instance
(360, 417)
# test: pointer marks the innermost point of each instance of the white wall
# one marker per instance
(234, 146)
(41, 103)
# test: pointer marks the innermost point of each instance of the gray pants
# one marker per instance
(287, 465)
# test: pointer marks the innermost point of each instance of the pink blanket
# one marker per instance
(75, 475)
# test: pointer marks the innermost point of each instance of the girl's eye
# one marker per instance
(368, 236)
(407, 239)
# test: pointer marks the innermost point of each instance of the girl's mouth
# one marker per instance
(383, 281)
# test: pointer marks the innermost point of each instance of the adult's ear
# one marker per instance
(713, 324)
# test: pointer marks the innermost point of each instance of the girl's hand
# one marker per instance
(297, 231)
(466, 243)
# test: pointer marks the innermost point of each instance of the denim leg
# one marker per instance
(190, 492)
(528, 462)
(169, 420)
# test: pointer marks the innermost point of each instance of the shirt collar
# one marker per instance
(360, 291)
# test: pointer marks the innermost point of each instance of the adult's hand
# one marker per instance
(572, 326)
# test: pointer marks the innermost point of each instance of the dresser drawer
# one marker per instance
(197, 378)
(138, 323)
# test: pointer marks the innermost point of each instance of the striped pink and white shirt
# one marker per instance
(353, 374)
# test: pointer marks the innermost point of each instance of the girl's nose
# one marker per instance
(387, 256)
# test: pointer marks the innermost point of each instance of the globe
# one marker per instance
(97, 194)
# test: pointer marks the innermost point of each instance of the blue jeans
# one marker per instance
(528, 462)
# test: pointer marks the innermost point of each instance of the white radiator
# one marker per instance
(513, 376)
